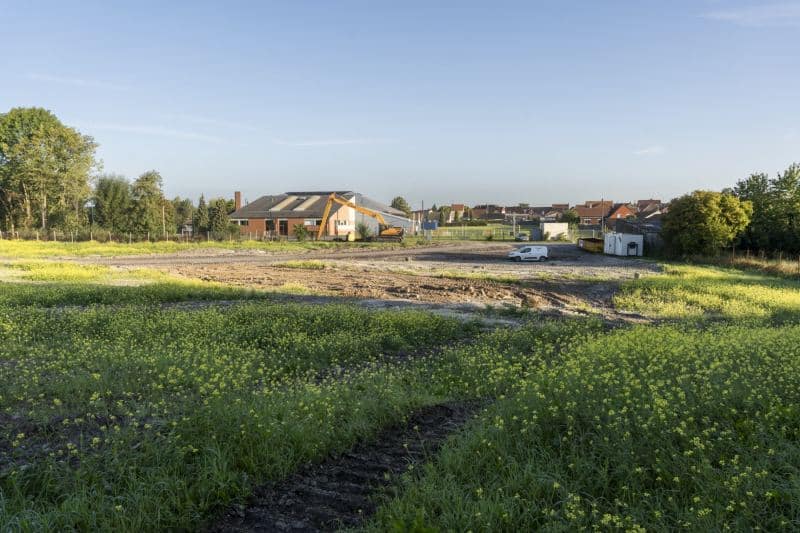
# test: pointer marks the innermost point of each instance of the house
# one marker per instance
(551, 213)
(518, 213)
(488, 211)
(642, 205)
(621, 211)
(456, 212)
(592, 213)
(651, 210)
(277, 215)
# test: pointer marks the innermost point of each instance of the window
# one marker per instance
(587, 221)
(312, 222)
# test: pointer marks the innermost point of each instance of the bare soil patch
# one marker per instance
(473, 274)
(343, 490)
(388, 285)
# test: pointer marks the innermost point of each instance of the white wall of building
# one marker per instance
(555, 230)
(624, 244)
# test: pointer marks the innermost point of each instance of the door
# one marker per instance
(283, 227)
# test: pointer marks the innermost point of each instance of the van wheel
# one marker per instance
(518, 259)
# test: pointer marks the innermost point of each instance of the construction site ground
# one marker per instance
(446, 276)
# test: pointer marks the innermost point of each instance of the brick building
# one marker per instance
(277, 215)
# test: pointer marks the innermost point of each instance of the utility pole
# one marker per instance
(163, 221)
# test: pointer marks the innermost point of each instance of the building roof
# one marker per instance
(304, 204)
(594, 208)
(645, 204)
(617, 208)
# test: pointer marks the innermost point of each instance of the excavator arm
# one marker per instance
(334, 198)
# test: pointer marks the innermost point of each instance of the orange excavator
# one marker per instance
(386, 232)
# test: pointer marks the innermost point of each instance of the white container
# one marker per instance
(623, 244)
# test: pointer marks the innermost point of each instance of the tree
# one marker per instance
(184, 211)
(444, 214)
(200, 220)
(570, 216)
(400, 203)
(44, 170)
(112, 197)
(149, 205)
(776, 210)
(704, 222)
(218, 220)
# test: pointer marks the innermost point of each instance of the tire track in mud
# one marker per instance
(342, 491)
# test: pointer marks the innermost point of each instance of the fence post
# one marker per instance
(129, 238)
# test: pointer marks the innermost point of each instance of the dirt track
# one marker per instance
(463, 274)
(341, 491)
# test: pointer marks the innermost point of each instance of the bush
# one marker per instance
(300, 232)
(363, 230)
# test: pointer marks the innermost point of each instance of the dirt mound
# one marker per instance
(341, 491)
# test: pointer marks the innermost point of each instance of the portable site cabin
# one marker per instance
(625, 244)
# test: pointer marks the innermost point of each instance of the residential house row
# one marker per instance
(591, 213)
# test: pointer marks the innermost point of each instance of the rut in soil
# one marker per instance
(341, 492)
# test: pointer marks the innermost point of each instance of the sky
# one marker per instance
(465, 102)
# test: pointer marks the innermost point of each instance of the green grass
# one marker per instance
(653, 428)
(483, 276)
(311, 264)
(128, 414)
(51, 284)
(17, 249)
(694, 292)
(138, 417)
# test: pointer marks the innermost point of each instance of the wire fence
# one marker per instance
(55, 235)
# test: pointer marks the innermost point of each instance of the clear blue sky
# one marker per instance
(439, 101)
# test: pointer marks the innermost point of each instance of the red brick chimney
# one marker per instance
(237, 200)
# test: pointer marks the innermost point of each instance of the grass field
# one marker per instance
(19, 249)
(121, 412)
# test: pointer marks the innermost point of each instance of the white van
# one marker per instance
(528, 253)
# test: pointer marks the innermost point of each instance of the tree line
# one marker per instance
(759, 213)
(50, 179)
(140, 207)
